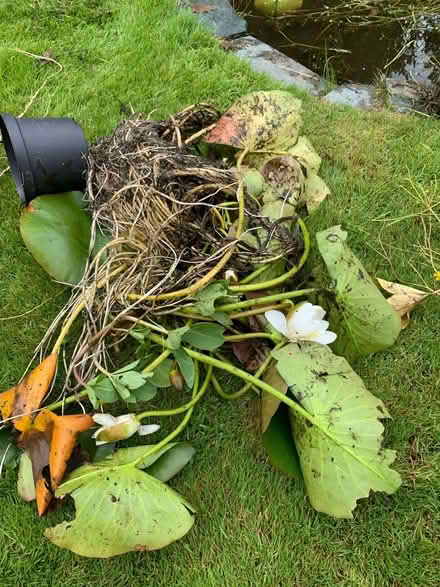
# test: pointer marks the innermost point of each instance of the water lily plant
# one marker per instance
(305, 322)
(120, 427)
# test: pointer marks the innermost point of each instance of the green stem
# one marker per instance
(282, 278)
(244, 375)
(255, 274)
(67, 400)
(266, 300)
(262, 310)
(160, 359)
(249, 335)
(180, 410)
(183, 423)
(247, 386)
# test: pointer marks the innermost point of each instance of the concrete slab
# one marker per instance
(403, 96)
(355, 95)
(216, 15)
(264, 59)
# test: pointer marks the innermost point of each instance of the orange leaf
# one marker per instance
(31, 391)
(43, 495)
(50, 440)
(7, 402)
(65, 431)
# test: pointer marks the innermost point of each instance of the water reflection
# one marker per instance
(401, 49)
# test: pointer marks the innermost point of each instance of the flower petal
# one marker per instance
(318, 313)
(104, 419)
(148, 429)
(125, 418)
(320, 325)
(277, 320)
(326, 337)
(301, 321)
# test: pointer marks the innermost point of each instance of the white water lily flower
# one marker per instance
(119, 427)
(304, 323)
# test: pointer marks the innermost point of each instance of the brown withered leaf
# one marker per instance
(403, 298)
(200, 8)
(270, 404)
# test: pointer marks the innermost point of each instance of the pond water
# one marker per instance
(347, 45)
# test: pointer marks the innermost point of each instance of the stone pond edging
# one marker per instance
(221, 18)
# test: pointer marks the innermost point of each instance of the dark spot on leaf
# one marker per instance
(380, 409)
(309, 424)
(335, 408)
(361, 275)
(333, 238)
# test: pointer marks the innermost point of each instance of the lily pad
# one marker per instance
(57, 232)
(340, 444)
(109, 500)
(361, 317)
(267, 121)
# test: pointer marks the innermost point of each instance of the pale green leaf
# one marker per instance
(144, 393)
(104, 389)
(119, 509)
(361, 317)
(207, 297)
(161, 375)
(206, 337)
(132, 379)
(305, 153)
(126, 368)
(340, 449)
(315, 192)
(174, 339)
(163, 464)
(25, 481)
(186, 366)
(92, 397)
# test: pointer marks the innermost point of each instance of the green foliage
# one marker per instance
(361, 317)
(340, 449)
(106, 496)
(58, 224)
(174, 338)
(396, 538)
(9, 453)
(125, 383)
(164, 464)
(277, 442)
(161, 375)
(208, 296)
(206, 337)
(186, 366)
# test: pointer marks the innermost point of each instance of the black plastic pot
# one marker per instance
(46, 155)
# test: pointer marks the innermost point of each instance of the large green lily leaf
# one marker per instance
(340, 447)
(119, 509)
(362, 318)
(57, 232)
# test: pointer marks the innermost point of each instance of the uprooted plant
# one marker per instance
(195, 252)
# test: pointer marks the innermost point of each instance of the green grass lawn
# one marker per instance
(253, 526)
